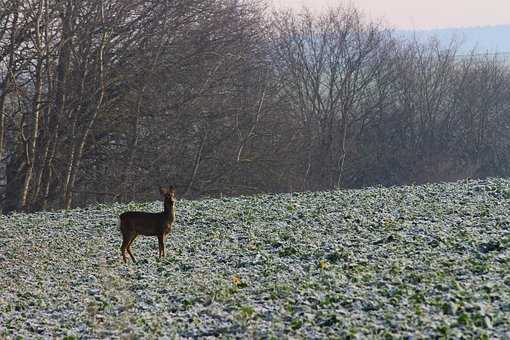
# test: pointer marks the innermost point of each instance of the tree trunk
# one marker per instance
(196, 164)
(102, 91)
(36, 107)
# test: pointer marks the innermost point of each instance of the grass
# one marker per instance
(421, 261)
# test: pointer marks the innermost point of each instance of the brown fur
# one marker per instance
(134, 223)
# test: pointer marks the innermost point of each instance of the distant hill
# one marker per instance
(487, 39)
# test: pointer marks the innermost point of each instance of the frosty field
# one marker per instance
(418, 261)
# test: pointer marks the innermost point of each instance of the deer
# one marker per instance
(134, 223)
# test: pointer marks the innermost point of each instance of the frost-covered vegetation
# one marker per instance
(422, 261)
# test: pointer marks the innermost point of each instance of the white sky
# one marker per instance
(420, 14)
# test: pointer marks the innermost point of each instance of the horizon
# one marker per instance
(416, 15)
(452, 28)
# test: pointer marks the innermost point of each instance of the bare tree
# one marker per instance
(329, 65)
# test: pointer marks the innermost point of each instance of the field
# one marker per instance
(416, 261)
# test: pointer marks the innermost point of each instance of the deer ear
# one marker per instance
(163, 191)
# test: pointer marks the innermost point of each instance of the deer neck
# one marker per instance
(169, 212)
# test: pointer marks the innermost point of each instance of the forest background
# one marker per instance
(105, 100)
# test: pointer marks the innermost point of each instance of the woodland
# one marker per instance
(103, 101)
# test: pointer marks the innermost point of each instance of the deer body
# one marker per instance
(134, 223)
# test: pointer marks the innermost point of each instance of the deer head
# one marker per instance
(168, 195)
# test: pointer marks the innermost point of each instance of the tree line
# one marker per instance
(104, 100)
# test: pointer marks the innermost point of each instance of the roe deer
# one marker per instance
(134, 223)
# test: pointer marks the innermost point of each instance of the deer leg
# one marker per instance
(125, 239)
(123, 249)
(131, 240)
(161, 246)
(129, 247)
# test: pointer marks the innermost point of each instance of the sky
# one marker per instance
(420, 14)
